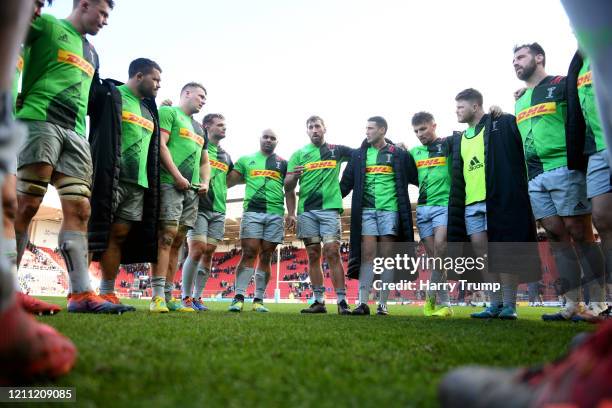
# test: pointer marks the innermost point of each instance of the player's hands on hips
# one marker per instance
(290, 222)
(182, 183)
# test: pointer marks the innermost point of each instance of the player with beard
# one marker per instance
(558, 195)
(137, 127)
(210, 224)
(316, 166)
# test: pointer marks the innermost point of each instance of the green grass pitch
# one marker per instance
(284, 359)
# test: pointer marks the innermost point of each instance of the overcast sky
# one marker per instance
(273, 63)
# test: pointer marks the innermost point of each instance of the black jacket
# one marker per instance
(353, 179)
(105, 108)
(575, 126)
(509, 215)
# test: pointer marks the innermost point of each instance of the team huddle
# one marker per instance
(147, 179)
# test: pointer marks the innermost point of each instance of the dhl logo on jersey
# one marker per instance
(379, 169)
(266, 173)
(188, 134)
(586, 79)
(68, 57)
(323, 164)
(137, 120)
(537, 110)
(215, 164)
(20, 64)
(431, 162)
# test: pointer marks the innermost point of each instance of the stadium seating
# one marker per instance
(36, 278)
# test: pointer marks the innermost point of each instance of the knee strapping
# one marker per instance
(72, 188)
(330, 239)
(30, 183)
(165, 224)
(311, 241)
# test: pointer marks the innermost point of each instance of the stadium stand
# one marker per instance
(43, 272)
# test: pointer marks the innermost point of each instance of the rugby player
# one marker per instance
(431, 160)
(586, 130)
(489, 203)
(378, 174)
(137, 127)
(28, 349)
(184, 176)
(9, 202)
(210, 223)
(316, 166)
(558, 195)
(60, 66)
(261, 226)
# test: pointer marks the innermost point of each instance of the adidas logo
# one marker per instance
(63, 38)
(475, 164)
(252, 163)
(580, 206)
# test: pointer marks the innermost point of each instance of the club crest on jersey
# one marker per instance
(550, 92)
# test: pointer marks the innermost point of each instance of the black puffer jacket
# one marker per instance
(575, 126)
(509, 215)
(105, 108)
(353, 179)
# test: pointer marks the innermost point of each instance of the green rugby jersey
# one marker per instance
(137, 127)
(59, 67)
(220, 165)
(594, 141)
(186, 142)
(540, 117)
(379, 191)
(319, 185)
(264, 177)
(474, 165)
(432, 162)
